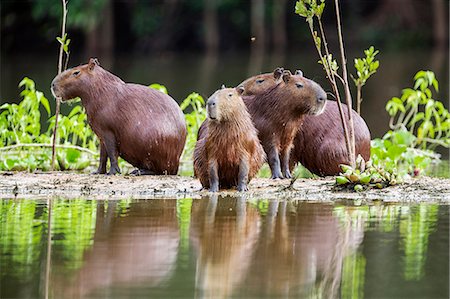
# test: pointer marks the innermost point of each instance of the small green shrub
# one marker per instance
(418, 125)
(195, 113)
(23, 144)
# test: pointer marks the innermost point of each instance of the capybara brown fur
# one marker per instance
(259, 84)
(142, 125)
(320, 144)
(228, 154)
(278, 113)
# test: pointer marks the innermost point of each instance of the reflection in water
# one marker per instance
(224, 233)
(222, 247)
(302, 251)
(139, 248)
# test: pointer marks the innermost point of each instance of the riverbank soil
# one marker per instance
(75, 185)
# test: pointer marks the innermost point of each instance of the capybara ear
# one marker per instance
(240, 89)
(299, 73)
(92, 63)
(223, 86)
(287, 76)
(278, 72)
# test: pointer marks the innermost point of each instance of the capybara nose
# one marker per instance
(53, 84)
(321, 99)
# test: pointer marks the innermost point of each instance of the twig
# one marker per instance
(60, 65)
(346, 86)
(66, 146)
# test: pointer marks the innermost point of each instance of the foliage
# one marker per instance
(24, 146)
(365, 67)
(84, 14)
(418, 113)
(419, 124)
(312, 10)
(366, 176)
(195, 114)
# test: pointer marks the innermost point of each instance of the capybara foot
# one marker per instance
(277, 175)
(242, 188)
(287, 174)
(214, 188)
(142, 171)
(99, 171)
(114, 170)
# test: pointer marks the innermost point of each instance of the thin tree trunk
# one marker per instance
(348, 95)
(440, 35)
(258, 37)
(279, 25)
(211, 32)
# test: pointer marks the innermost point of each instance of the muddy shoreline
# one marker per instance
(75, 185)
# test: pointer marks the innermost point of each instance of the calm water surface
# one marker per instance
(222, 247)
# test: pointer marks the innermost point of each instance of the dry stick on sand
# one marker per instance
(60, 67)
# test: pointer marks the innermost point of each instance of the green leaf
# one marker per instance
(72, 155)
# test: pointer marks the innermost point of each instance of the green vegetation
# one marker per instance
(25, 146)
(418, 124)
(365, 67)
(312, 11)
(195, 113)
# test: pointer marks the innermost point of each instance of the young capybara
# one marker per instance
(319, 144)
(228, 153)
(142, 125)
(278, 113)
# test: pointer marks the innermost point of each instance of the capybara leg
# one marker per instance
(112, 152)
(142, 171)
(285, 157)
(274, 163)
(103, 159)
(213, 174)
(243, 175)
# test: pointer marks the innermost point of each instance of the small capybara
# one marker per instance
(142, 125)
(228, 154)
(278, 113)
(319, 144)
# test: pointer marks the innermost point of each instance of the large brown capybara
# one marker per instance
(278, 113)
(228, 154)
(319, 144)
(142, 125)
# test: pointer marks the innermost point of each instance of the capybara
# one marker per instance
(319, 144)
(278, 113)
(259, 84)
(142, 125)
(228, 154)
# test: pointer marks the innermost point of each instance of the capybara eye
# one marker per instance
(76, 73)
(299, 85)
(259, 81)
(230, 95)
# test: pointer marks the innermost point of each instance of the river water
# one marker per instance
(218, 247)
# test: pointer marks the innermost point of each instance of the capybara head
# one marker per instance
(70, 83)
(224, 105)
(261, 83)
(311, 98)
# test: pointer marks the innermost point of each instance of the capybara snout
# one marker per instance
(211, 107)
